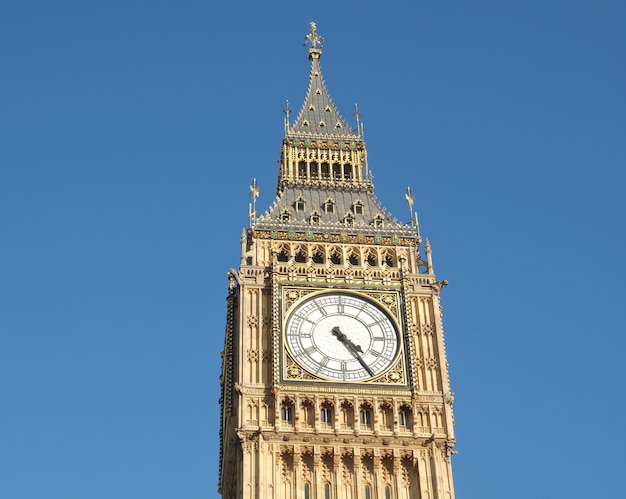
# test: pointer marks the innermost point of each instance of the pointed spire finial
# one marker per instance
(315, 50)
(254, 192)
(429, 257)
(357, 116)
(409, 198)
(287, 112)
(313, 38)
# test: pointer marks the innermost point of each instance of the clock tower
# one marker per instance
(334, 373)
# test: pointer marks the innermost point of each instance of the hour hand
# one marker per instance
(344, 339)
(340, 336)
(352, 348)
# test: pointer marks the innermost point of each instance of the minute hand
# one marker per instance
(352, 348)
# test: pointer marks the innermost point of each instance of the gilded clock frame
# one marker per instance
(389, 301)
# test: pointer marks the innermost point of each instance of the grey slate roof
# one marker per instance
(318, 115)
(315, 198)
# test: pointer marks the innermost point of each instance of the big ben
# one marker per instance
(334, 373)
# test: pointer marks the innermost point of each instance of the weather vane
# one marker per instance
(313, 38)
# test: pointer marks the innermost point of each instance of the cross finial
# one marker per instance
(313, 38)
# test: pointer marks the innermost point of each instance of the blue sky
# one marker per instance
(129, 134)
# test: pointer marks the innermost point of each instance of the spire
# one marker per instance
(319, 116)
(324, 183)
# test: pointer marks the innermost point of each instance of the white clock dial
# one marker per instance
(341, 337)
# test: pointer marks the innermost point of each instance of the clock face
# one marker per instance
(341, 337)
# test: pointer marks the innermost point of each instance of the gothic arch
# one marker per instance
(346, 415)
(318, 254)
(386, 468)
(307, 414)
(367, 467)
(327, 414)
(423, 423)
(252, 413)
(388, 257)
(353, 255)
(386, 417)
(300, 253)
(336, 256)
(287, 407)
(284, 252)
(366, 416)
(405, 417)
(371, 257)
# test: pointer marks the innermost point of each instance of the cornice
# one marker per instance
(398, 237)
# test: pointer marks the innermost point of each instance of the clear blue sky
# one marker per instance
(129, 133)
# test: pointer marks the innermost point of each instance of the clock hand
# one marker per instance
(344, 339)
(352, 348)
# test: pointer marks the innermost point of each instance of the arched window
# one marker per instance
(368, 492)
(301, 169)
(286, 412)
(347, 171)
(423, 424)
(336, 171)
(300, 257)
(307, 490)
(404, 418)
(353, 258)
(386, 417)
(308, 412)
(365, 416)
(346, 416)
(335, 258)
(299, 205)
(314, 170)
(318, 257)
(387, 492)
(327, 491)
(325, 170)
(283, 256)
(326, 415)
